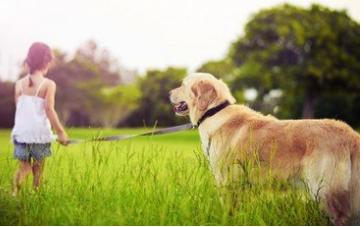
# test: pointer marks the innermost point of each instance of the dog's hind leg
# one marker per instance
(328, 179)
(338, 205)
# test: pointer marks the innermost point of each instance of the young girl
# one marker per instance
(35, 114)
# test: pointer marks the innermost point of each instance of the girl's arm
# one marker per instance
(52, 114)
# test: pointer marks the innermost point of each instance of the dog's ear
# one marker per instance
(205, 94)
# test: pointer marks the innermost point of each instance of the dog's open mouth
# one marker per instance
(181, 108)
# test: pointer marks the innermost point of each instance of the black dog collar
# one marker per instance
(212, 112)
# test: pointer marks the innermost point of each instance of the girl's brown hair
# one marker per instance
(39, 56)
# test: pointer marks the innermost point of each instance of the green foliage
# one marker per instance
(307, 53)
(219, 68)
(160, 180)
(117, 103)
(155, 107)
(90, 91)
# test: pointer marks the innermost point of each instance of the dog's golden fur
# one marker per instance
(325, 153)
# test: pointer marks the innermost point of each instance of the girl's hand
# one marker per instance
(63, 138)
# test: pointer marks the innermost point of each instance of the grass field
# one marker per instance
(160, 180)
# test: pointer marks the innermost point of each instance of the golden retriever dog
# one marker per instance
(324, 153)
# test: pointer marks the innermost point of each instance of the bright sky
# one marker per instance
(141, 34)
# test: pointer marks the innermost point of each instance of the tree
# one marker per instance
(306, 53)
(87, 88)
(219, 68)
(7, 104)
(113, 104)
(155, 107)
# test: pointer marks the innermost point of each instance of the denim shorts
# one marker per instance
(26, 151)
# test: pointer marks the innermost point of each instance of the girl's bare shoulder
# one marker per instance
(19, 82)
(50, 84)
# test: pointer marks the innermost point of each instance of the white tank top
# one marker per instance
(31, 122)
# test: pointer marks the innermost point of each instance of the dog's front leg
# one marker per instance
(229, 187)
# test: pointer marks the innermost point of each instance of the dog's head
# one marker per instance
(198, 93)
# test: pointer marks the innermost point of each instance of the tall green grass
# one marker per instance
(160, 180)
